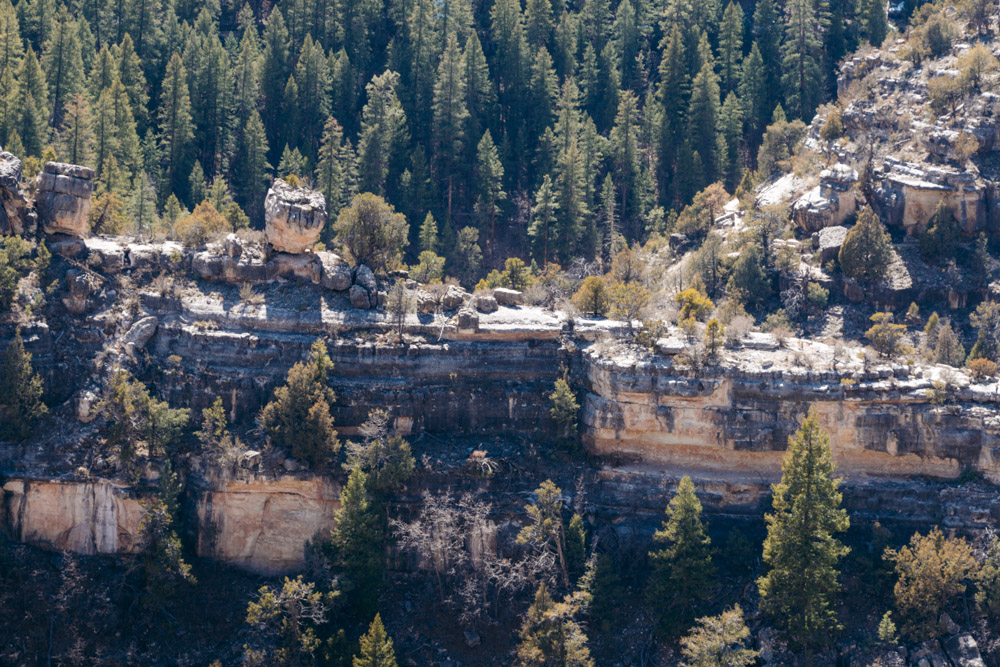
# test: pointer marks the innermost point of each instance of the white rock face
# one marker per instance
(294, 217)
(16, 215)
(63, 198)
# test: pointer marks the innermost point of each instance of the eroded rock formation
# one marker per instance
(16, 213)
(62, 196)
(294, 217)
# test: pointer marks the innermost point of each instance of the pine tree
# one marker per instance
(298, 418)
(132, 77)
(75, 141)
(703, 122)
(730, 46)
(331, 176)
(718, 641)
(251, 169)
(671, 97)
(876, 22)
(11, 45)
(275, 68)
(767, 30)
(489, 183)
(626, 154)
(313, 101)
(197, 187)
(480, 96)
(384, 457)
(176, 129)
(682, 570)
(429, 234)
(800, 58)
(543, 216)
(356, 542)
(20, 392)
(32, 105)
(383, 132)
(9, 115)
(545, 530)
(551, 636)
(753, 94)
(376, 647)
(62, 61)
(800, 551)
(867, 249)
(450, 114)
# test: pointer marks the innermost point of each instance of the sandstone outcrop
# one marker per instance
(97, 517)
(293, 216)
(16, 214)
(262, 525)
(508, 297)
(907, 195)
(829, 203)
(828, 242)
(62, 196)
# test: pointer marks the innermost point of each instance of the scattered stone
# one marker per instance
(16, 215)
(828, 242)
(963, 651)
(946, 622)
(468, 320)
(233, 246)
(472, 639)
(364, 277)
(336, 272)
(453, 298)
(359, 298)
(669, 346)
(81, 284)
(85, 402)
(486, 304)
(63, 198)
(426, 303)
(294, 217)
(508, 297)
(139, 334)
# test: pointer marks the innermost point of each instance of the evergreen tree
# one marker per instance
(800, 551)
(731, 46)
(385, 458)
(801, 57)
(331, 173)
(489, 183)
(543, 217)
(62, 61)
(450, 114)
(682, 570)
(867, 249)
(356, 543)
(11, 45)
(298, 418)
(20, 391)
(551, 636)
(76, 141)
(626, 156)
(176, 129)
(480, 96)
(545, 530)
(753, 94)
(718, 641)
(429, 234)
(383, 132)
(703, 123)
(251, 169)
(876, 22)
(31, 103)
(376, 647)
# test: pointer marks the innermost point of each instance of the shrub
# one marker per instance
(371, 232)
(204, 223)
(429, 268)
(592, 297)
(564, 407)
(627, 301)
(982, 369)
(940, 240)
(20, 392)
(885, 336)
(694, 304)
(714, 336)
(817, 295)
(931, 571)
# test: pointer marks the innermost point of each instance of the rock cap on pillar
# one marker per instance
(63, 198)
(293, 216)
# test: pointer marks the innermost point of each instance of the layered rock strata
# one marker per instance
(16, 213)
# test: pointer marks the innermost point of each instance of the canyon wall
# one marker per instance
(736, 423)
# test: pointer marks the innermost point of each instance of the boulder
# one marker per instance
(81, 284)
(963, 651)
(828, 242)
(364, 277)
(453, 298)
(468, 320)
(86, 402)
(829, 203)
(508, 297)
(106, 255)
(139, 334)
(62, 196)
(294, 217)
(16, 214)
(359, 298)
(233, 246)
(426, 303)
(336, 273)
(486, 304)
